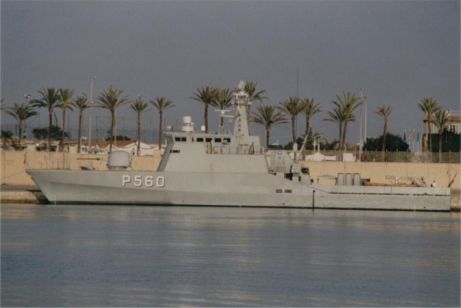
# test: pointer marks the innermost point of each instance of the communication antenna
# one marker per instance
(222, 113)
(241, 85)
(363, 98)
(297, 80)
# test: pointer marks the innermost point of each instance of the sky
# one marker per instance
(396, 51)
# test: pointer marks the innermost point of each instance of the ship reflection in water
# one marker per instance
(158, 256)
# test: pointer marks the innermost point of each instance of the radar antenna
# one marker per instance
(222, 115)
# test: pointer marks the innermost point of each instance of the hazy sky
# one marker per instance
(398, 51)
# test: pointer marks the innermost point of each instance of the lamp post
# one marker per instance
(363, 116)
(91, 103)
(28, 97)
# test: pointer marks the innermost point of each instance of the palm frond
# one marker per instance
(81, 102)
(206, 95)
(441, 119)
(139, 105)
(292, 106)
(384, 111)
(268, 115)
(223, 99)
(111, 98)
(162, 103)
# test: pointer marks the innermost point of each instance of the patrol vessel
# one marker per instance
(224, 170)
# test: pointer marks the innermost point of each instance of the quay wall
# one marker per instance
(14, 164)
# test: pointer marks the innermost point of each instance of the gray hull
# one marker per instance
(224, 189)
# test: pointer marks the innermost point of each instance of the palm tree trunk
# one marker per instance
(20, 132)
(383, 150)
(63, 128)
(139, 134)
(206, 118)
(79, 145)
(306, 130)
(160, 128)
(222, 122)
(267, 137)
(344, 135)
(340, 140)
(426, 137)
(50, 124)
(293, 129)
(429, 116)
(440, 147)
(112, 127)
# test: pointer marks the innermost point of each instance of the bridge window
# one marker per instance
(279, 190)
(199, 139)
(217, 140)
(228, 140)
(288, 191)
(180, 139)
(208, 139)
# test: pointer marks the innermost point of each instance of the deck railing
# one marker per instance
(377, 156)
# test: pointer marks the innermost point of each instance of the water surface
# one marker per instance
(171, 256)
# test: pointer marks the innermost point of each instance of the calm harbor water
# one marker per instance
(171, 256)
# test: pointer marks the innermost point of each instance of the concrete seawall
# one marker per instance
(14, 165)
(21, 194)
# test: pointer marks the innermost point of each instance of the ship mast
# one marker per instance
(241, 102)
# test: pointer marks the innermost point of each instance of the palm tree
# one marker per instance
(21, 112)
(223, 101)
(110, 99)
(139, 106)
(65, 102)
(207, 96)
(384, 112)
(253, 94)
(429, 106)
(441, 121)
(161, 104)
(310, 109)
(350, 102)
(81, 102)
(337, 115)
(49, 99)
(292, 107)
(268, 116)
(343, 113)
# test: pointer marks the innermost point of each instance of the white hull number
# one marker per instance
(143, 181)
